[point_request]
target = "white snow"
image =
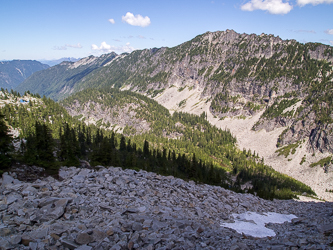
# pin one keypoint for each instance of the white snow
(253, 224)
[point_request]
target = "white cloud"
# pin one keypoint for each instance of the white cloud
(106, 48)
(330, 32)
(272, 6)
(103, 48)
(77, 46)
(331, 42)
(64, 47)
(112, 21)
(313, 2)
(136, 20)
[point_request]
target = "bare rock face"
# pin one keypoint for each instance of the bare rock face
(117, 117)
(322, 139)
(124, 209)
(270, 125)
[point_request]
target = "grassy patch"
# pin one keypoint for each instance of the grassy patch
(286, 149)
(182, 103)
(322, 162)
(181, 89)
(303, 160)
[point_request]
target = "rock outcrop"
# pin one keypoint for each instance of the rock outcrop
(111, 208)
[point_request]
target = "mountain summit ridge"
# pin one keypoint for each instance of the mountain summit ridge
(285, 84)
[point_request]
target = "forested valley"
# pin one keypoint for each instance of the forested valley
(49, 137)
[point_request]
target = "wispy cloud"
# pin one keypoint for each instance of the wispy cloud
(141, 37)
(106, 48)
(304, 31)
(64, 47)
(330, 32)
(326, 41)
(111, 20)
(272, 6)
(136, 20)
(313, 2)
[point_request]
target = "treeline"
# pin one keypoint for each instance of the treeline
(201, 152)
(76, 143)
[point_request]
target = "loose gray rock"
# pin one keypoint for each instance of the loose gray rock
(101, 209)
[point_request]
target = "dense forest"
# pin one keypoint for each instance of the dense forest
(49, 137)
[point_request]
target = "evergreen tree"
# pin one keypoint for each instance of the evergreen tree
(5, 144)
(146, 151)
(40, 147)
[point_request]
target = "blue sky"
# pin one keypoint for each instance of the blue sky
(52, 29)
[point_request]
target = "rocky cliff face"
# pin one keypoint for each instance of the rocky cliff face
(116, 118)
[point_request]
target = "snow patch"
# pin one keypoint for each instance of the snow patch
(253, 224)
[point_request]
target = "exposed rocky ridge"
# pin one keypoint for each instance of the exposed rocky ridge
(254, 68)
(12, 73)
(124, 209)
(116, 118)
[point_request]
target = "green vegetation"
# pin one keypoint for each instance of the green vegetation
(286, 149)
(278, 107)
(323, 162)
(182, 103)
(5, 144)
(202, 152)
(181, 89)
(253, 106)
(303, 160)
(223, 65)
(16, 71)
(223, 102)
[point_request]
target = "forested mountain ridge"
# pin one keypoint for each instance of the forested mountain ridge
(236, 73)
(282, 88)
(47, 136)
(12, 73)
(59, 80)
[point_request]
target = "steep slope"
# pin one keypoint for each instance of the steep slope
(241, 74)
(58, 81)
(121, 111)
(180, 133)
(49, 137)
(281, 87)
(12, 73)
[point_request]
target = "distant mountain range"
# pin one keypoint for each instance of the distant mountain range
(12, 73)
(57, 61)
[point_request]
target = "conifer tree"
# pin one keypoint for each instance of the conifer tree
(5, 144)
